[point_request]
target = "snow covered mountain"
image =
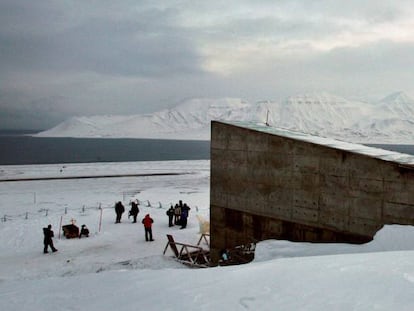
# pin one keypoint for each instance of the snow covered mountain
(390, 120)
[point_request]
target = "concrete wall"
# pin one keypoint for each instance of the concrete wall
(267, 186)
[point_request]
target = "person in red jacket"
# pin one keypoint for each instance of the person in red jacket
(148, 221)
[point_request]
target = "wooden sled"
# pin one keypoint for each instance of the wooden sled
(70, 231)
(204, 237)
(192, 255)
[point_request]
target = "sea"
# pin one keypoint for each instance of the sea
(20, 148)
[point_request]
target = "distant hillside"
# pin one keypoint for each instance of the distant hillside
(389, 120)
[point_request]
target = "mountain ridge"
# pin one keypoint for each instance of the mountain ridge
(386, 121)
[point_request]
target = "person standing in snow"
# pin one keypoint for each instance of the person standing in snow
(48, 241)
(177, 214)
(184, 215)
(119, 210)
(148, 221)
(170, 214)
(134, 211)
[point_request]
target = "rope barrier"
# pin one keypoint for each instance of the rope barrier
(82, 210)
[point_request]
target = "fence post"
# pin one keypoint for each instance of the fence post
(100, 218)
(27, 215)
(4, 218)
(47, 211)
(60, 226)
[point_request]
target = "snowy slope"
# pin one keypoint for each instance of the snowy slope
(321, 114)
(389, 120)
(115, 269)
(398, 105)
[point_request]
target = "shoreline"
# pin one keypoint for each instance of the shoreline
(90, 176)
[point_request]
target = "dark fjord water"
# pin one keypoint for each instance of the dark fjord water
(19, 149)
(35, 150)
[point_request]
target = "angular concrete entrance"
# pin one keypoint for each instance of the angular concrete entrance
(271, 183)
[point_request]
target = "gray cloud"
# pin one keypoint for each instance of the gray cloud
(146, 45)
(65, 58)
(30, 115)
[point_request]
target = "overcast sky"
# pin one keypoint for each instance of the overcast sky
(76, 57)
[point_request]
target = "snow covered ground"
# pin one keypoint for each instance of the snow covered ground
(115, 269)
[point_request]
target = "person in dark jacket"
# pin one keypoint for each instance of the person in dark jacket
(184, 215)
(48, 241)
(148, 221)
(119, 210)
(170, 214)
(134, 211)
(84, 231)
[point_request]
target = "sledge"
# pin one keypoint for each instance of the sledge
(70, 231)
(204, 237)
(191, 255)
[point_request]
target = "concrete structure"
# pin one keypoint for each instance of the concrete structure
(270, 183)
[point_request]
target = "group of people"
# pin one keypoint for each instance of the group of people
(178, 214)
(49, 234)
(147, 221)
(120, 209)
